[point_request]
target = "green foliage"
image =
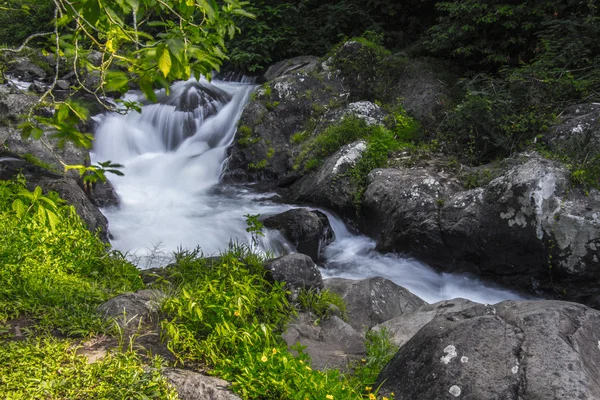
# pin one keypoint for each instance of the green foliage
(380, 351)
(227, 316)
(51, 369)
(255, 227)
(247, 137)
(31, 159)
(21, 18)
(96, 173)
(53, 267)
(258, 166)
(320, 303)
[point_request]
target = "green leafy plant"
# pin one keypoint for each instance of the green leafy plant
(322, 303)
(255, 227)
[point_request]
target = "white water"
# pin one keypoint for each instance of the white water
(170, 197)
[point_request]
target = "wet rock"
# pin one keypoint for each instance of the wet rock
(332, 344)
(130, 310)
(25, 70)
(194, 386)
(527, 228)
(104, 195)
(298, 271)
(403, 327)
(309, 231)
(578, 131)
(264, 148)
(524, 350)
(331, 186)
(296, 65)
(372, 301)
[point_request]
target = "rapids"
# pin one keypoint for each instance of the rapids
(174, 153)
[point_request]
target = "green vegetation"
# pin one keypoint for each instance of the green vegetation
(247, 137)
(52, 267)
(51, 369)
(322, 304)
(30, 158)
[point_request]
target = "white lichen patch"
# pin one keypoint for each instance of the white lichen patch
(350, 156)
(515, 369)
(578, 129)
(284, 89)
(450, 352)
(508, 214)
(598, 344)
(455, 391)
(464, 359)
(367, 111)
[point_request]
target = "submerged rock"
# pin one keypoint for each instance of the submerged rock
(372, 301)
(309, 231)
(513, 350)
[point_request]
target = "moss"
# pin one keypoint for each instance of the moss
(259, 166)
(300, 137)
(271, 105)
(247, 137)
(31, 159)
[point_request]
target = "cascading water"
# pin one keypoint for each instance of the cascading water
(174, 153)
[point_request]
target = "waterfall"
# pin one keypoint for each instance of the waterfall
(174, 153)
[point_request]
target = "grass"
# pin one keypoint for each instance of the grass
(222, 315)
(50, 368)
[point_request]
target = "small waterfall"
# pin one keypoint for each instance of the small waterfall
(174, 153)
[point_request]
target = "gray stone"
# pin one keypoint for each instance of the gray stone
(309, 231)
(194, 386)
(528, 228)
(296, 270)
(331, 186)
(403, 327)
(25, 70)
(130, 310)
(372, 301)
(332, 344)
(513, 350)
(296, 65)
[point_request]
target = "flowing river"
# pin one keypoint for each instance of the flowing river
(174, 153)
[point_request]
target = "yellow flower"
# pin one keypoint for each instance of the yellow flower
(368, 388)
(372, 396)
(236, 313)
(330, 397)
(385, 398)
(363, 360)
(264, 359)
(274, 350)
(310, 369)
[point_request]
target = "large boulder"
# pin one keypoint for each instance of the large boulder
(577, 132)
(513, 350)
(298, 271)
(25, 70)
(403, 327)
(194, 386)
(372, 301)
(527, 228)
(331, 185)
(265, 144)
(331, 344)
(309, 231)
(295, 65)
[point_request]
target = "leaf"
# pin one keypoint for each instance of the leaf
(53, 219)
(164, 62)
(37, 193)
(18, 207)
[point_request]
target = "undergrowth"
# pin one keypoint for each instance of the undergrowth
(50, 368)
(53, 268)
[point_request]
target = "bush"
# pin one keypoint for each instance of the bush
(24, 18)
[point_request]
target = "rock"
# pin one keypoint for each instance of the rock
(298, 271)
(105, 195)
(333, 344)
(71, 192)
(62, 85)
(264, 146)
(194, 386)
(401, 208)
(331, 186)
(579, 130)
(130, 310)
(25, 70)
(403, 327)
(527, 228)
(308, 230)
(296, 65)
(513, 350)
(372, 301)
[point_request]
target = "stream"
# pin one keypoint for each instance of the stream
(174, 153)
